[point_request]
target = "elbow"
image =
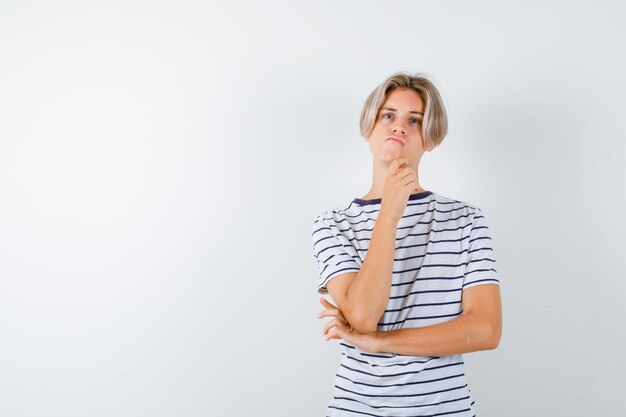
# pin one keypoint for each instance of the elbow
(486, 334)
(363, 325)
(495, 334)
(493, 343)
(360, 319)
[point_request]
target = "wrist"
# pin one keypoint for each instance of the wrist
(390, 220)
(379, 341)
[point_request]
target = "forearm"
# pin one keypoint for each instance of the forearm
(468, 333)
(369, 293)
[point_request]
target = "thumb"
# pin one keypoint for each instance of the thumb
(335, 333)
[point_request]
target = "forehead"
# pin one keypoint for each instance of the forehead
(404, 99)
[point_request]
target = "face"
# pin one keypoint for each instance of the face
(398, 128)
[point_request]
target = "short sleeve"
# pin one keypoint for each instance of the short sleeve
(334, 253)
(481, 263)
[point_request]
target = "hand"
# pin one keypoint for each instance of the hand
(339, 328)
(400, 182)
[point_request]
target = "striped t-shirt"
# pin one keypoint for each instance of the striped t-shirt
(442, 247)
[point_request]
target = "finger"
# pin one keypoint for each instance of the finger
(409, 179)
(337, 316)
(325, 302)
(334, 334)
(331, 312)
(400, 165)
(335, 323)
(393, 167)
(337, 334)
(328, 308)
(325, 313)
(402, 161)
(332, 309)
(330, 325)
(405, 172)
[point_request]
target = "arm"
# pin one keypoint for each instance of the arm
(478, 329)
(362, 297)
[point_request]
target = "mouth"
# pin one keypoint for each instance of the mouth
(400, 141)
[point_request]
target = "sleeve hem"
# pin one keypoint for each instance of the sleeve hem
(322, 289)
(481, 282)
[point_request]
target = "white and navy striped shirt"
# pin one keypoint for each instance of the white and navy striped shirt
(442, 247)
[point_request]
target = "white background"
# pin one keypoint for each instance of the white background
(161, 163)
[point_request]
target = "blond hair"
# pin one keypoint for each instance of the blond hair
(435, 124)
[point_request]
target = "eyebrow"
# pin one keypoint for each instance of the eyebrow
(392, 109)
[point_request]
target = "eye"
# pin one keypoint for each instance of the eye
(387, 114)
(415, 120)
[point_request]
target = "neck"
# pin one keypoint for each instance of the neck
(379, 171)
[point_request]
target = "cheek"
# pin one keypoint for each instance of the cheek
(380, 130)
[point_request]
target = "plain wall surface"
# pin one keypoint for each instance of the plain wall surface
(161, 164)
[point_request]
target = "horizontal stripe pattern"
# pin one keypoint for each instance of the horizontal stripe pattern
(443, 246)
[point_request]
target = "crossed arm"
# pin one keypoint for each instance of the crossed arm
(479, 328)
(362, 298)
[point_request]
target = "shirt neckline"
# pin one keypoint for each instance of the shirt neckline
(415, 196)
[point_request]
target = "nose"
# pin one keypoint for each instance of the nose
(399, 128)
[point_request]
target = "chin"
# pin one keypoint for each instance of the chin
(390, 157)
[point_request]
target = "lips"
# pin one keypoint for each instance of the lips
(400, 141)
